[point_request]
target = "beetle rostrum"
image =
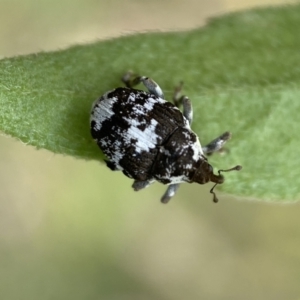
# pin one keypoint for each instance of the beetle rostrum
(149, 139)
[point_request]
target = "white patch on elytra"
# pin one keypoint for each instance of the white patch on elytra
(117, 154)
(145, 139)
(149, 104)
(197, 149)
(102, 110)
(135, 122)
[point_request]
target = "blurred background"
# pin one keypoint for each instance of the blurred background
(72, 229)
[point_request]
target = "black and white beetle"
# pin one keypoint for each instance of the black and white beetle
(149, 139)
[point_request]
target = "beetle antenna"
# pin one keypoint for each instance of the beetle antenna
(215, 198)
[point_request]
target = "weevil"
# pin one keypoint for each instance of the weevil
(149, 139)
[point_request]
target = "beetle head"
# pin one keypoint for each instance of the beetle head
(205, 174)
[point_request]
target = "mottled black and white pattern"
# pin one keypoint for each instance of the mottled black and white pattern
(149, 139)
(145, 136)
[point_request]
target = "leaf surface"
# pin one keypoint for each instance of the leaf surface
(241, 71)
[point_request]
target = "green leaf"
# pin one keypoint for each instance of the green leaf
(242, 73)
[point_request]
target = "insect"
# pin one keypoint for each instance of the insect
(149, 139)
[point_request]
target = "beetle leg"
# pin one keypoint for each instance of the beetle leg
(152, 87)
(130, 80)
(139, 185)
(187, 109)
(217, 144)
(170, 192)
(177, 94)
(184, 101)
